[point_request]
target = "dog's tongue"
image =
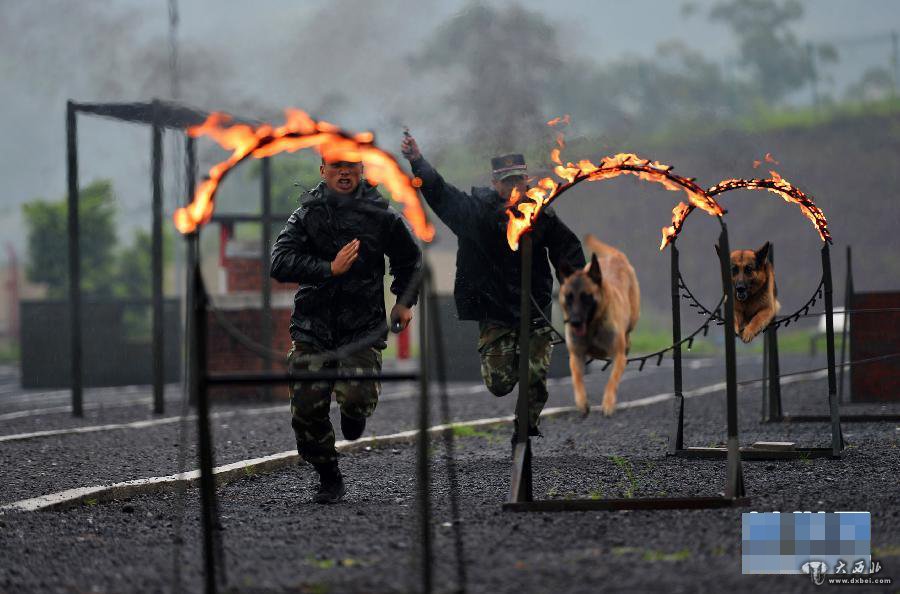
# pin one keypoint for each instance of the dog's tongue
(580, 330)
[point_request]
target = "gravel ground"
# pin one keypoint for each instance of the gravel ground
(276, 541)
(49, 464)
(34, 467)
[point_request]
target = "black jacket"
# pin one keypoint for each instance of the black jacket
(336, 311)
(488, 272)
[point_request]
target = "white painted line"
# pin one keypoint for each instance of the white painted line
(36, 412)
(140, 424)
(393, 396)
(229, 472)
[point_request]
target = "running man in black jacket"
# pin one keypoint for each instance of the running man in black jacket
(488, 272)
(334, 246)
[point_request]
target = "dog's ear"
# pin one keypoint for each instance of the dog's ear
(565, 269)
(594, 272)
(762, 254)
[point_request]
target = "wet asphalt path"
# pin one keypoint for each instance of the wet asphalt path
(277, 542)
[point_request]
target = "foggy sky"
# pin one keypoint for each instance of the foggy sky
(343, 60)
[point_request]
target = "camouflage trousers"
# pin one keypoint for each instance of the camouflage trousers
(499, 350)
(311, 401)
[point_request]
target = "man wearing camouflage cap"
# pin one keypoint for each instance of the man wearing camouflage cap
(487, 286)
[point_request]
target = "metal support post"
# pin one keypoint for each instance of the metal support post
(837, 438)
(521, 488)
(157, 266)
(422, 461)
(266, 248)
(848, 305)
(191, 266)
(734, 483)
(772, 385)
(74, 260)
(676, 440)
(209, 505)
(437, 347)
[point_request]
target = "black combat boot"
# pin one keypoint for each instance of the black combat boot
(352, 428)
(331, 483)
(532, 431)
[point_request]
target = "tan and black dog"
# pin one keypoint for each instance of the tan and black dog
(601, 305)
(755, 293)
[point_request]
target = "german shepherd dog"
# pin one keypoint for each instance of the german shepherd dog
(601, 305)
(755, 293)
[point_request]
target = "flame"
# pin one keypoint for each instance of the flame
(299, 131)
(780, 187)
(523, 215)
(679, 214)
(768, 159)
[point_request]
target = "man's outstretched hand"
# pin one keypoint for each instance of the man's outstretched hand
(410, 148)
(345, 258)
(401, 316)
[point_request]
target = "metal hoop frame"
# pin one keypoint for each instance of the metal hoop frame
(521, 493)
(771, 398)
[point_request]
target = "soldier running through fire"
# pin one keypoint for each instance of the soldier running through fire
(334, 246)
(487, 284)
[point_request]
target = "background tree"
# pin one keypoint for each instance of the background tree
(778, 63)
(48, 242)
(505, 59)
(134, 267)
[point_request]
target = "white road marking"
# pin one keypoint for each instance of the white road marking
(280, 408)
(229, 472)
(39, 412)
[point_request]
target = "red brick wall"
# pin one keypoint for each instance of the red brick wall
(226, 354)
(245, 274)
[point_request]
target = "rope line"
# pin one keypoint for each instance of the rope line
(658, 355)
(846, 364)
(777, 322)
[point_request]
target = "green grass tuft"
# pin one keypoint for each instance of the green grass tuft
(681, 555)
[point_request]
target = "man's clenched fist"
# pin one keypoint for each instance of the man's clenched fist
(401, 315)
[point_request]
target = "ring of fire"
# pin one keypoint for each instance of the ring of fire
(299, 131)
(776, 185)
(522, 213)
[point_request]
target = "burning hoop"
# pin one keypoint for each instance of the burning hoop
(522, 214)
(299, 131)
(776, 185)
(790, 193)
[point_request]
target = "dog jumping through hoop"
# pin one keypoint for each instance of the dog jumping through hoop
(601, 305)
(755, 292)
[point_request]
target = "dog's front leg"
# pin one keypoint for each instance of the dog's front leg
(576, 365)
(760, 322)
(612, 385)
(738, 327)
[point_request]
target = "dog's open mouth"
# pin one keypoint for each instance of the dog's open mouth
(579, 329)
(740, 295)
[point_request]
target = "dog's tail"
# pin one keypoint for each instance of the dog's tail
(600, 248)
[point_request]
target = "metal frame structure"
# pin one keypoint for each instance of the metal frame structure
(201, 380)
(772, 410)
(771, 387)
(160, 115)
(521, 498)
